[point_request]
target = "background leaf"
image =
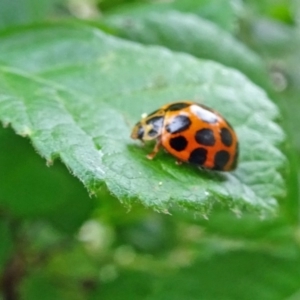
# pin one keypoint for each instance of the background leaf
(24, 11)
(68, 103)
(234, 277)
(65, 205)
(278, 44)
(223, 13)
(228, 275)
(189, 33)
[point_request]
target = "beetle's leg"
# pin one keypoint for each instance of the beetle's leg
(155, 150)
(178, 162)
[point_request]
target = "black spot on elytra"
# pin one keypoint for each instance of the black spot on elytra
(226, 137)
(205, 137)
(198, 156)
(221, 159)
(178, 143)
(177, 106)
(178, 124)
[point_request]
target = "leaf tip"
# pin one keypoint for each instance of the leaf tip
(166, 212)
(49, 163)
(5, 124)
(26, 131)
(237, 212)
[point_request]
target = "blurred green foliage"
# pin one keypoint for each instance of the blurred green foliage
(57, 242)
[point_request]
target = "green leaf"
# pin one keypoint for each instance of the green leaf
(273, 38)
(282, 10)
(67, 274)
(24, 11)
(222, 12)
(76, 93)
(279, 44)
(41, 286)
(191, 34)
(234, 275)
(29, 189)
(135, 285)
(153, 234)
(238, 275)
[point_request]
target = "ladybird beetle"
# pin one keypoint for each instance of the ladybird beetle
(192, 133)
